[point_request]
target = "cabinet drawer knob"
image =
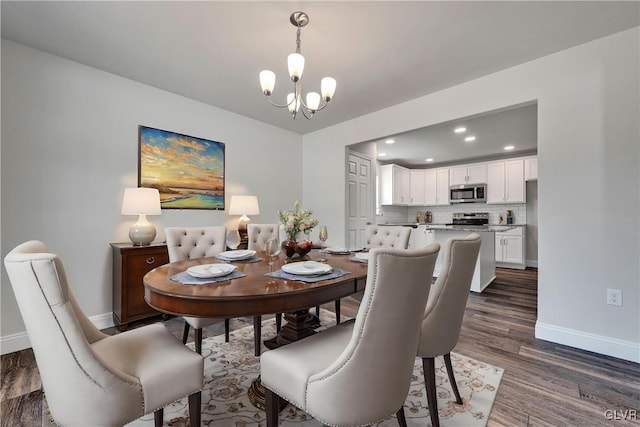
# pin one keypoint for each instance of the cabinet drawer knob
(151, 260)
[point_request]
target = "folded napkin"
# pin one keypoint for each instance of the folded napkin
(333, 274)
(187, 279)
(250, 259)
(356, 259)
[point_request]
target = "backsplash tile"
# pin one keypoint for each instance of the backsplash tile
(444, 214)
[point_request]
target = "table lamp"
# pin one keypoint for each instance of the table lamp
(142, 202)
(244, 205)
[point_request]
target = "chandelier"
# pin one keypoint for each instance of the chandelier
(295, 62)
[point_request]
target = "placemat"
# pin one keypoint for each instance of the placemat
(334, 274)
(187, 279)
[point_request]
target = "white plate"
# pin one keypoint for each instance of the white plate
(239, 254)
(307, 268)
(207, 271)
(362, 256)
(337, 250)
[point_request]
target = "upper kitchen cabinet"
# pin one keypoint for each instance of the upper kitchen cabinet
(436, 187)
(530, 168)
(395, 184)
(505, 182)
(416, 187)
(468, 174)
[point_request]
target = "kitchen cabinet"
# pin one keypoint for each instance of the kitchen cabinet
(505, 182)
(531, 169)
(412, 239)
(423, 237)
(395, 183)
(468, 174)
(130, 264)
(510, 248)
(416, 187)
(436, 187)
(484, 270)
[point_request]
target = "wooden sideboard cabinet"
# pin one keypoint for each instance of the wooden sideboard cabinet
(130, 264)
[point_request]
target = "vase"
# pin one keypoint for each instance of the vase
(291, 247)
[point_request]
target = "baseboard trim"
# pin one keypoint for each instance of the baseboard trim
(102, 321)
(614, 347)
(20, 341)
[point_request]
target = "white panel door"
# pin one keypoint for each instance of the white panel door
(360, 199)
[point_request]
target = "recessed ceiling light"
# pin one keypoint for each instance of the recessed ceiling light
(470, 138)
(428, 160)
(382, 154)
(509, 147)
(460, 129)
(389, 141)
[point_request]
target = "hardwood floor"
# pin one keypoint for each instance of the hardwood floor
(544, 384)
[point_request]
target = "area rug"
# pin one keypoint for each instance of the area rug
(231, 367)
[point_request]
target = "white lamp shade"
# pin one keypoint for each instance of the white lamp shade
(244, 205)
(313, 100)
(328, 88)
(295, 62)
(267, 81)
(141, 201)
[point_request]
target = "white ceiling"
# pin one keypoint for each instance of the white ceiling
(382, 53)
(516, 126)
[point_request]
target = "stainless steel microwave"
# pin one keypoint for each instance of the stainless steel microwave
(468, 193)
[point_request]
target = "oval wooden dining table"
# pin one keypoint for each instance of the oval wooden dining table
(254, 295)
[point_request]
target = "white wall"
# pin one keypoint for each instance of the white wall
(70, 147)
(531, 231)
(588, 143)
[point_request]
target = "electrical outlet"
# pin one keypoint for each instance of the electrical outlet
(614, 297)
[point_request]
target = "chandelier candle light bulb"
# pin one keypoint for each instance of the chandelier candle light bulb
(296, 66)
(295, 63)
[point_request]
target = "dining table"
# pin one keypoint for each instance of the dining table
(256, 293)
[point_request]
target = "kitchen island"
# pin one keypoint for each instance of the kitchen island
(485, 270)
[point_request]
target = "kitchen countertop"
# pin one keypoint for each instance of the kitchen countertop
(491, 227)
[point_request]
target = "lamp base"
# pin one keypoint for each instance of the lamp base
(142, 232)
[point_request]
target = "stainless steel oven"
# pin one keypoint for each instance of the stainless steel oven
(468, 193)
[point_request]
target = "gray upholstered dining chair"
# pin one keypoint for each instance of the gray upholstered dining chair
(347, 375)
(90, 378)
(196, 242)
(387, 236)
(382, 236)
(444, 312)
(257, 236)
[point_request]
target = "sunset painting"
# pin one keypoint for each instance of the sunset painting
(187, 171)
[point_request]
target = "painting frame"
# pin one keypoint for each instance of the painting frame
(188, 171)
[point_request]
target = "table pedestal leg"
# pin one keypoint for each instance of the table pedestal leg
(257, 395)
(295, 329)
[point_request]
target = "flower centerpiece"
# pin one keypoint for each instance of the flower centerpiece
(296, 222)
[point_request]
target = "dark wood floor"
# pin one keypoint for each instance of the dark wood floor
(544, 384)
